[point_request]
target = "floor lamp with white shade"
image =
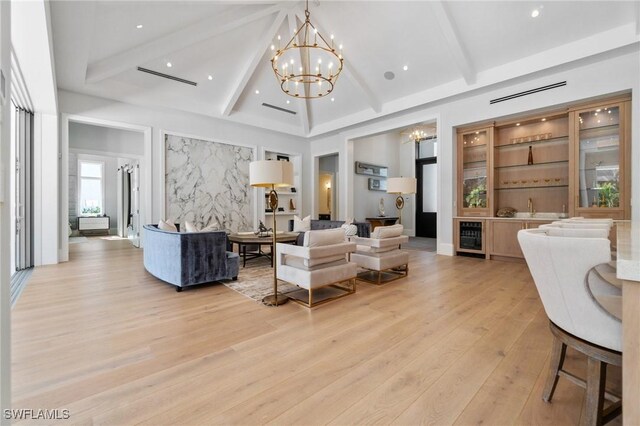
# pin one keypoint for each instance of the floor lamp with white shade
(401, 186)
(272, 174)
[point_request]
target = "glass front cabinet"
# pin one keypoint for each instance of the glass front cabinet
(473, 171)
(601, 157)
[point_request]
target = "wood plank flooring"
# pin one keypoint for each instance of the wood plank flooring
(460, 341)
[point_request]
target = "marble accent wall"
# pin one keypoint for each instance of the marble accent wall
(208, 182)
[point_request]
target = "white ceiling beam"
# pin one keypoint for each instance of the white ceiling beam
(638, 18)
(452, 38)
(178, 40)
(250, 68)
(352, 74)
(304, 108)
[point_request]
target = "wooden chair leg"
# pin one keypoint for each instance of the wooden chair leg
(557, 360)
(594, 398)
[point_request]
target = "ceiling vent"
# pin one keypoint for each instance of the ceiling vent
(170, 77)
(264, 104)
(528, 92)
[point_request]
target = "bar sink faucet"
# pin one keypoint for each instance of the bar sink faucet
(532, 211)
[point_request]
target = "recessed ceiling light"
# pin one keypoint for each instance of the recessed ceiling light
(389, 75)
(288, 101)
(139, 26)
(169, 64)
(333, 99)
(405, 67)
(210, 77)
(257, 92)
(535, 13)
(517, 124)
(544, 119)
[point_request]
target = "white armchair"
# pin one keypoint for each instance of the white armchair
(319, 267)
(381, 255)
(560, 266)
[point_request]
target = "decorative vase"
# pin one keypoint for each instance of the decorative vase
(381, 207)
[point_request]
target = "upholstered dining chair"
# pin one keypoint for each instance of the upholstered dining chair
(318, 266)
(560, 266)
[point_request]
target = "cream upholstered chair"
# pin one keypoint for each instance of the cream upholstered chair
(319, 267)
(381, 255)
(560, 266)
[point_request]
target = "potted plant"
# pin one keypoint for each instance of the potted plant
(475, 197)
(610, 194)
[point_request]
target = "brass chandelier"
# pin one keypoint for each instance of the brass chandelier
(308, 66)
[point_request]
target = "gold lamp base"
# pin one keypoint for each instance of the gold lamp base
(271, 300)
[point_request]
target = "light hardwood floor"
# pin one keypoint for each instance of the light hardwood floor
(460, 341)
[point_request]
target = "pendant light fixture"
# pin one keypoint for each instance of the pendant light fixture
(307, 66)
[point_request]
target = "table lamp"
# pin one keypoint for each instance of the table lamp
(272, 174)
(401, 186)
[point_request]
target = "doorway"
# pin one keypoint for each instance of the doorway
(427, 191)
(327, 189)
(103, 182)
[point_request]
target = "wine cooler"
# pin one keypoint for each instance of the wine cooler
(471, 235)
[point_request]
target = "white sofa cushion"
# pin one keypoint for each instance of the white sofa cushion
(387, 231)
(375, 250)
(381, 261)
(324, 237)
(301, 225)
(314, 264)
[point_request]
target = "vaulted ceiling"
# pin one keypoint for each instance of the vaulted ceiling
(447, 47)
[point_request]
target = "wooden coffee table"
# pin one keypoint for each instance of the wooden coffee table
(244, 240)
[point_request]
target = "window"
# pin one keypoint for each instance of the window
(90, 188)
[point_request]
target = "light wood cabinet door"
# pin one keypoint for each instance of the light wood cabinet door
(474, 177)
(504, 238)
(601, 160)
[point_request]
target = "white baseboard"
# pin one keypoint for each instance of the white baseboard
(445, 249)
(409, 232)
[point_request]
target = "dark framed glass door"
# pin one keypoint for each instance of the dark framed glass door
(426, 197)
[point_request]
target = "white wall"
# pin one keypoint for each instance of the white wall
(179, 122)
(98, 138)
(380, 150)
(46, 189)
(5, 207)
(584, 80)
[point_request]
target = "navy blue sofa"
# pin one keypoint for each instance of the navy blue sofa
(364, 228)
(190, 258)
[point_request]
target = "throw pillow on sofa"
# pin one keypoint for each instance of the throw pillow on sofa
(213, 226)
(191, 227)
(166, 225)
(349, 229)
(301, 225)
